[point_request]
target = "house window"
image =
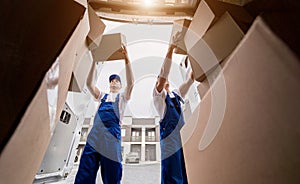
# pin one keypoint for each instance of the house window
(123, 132)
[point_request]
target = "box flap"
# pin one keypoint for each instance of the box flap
(96, 29)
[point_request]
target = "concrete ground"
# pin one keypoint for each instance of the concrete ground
(145, 172)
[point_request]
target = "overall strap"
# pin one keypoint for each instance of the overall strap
(178, 97)
(116, 104)
(104, 98)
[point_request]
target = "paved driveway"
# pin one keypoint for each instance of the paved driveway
(139, 174)
(144, 173)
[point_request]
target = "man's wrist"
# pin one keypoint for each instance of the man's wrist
(172, 46)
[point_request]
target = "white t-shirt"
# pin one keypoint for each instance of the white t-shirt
(159, 100)
(159, 97)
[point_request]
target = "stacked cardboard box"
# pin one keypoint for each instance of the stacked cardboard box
(208, 13)
(254, 139)
(214, 32)
(214, 46)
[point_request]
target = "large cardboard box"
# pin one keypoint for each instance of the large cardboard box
(109, 48)
(215, 45)
(24, 152)
(255, 138)
(30, 43)
(181, 26)
(208, 13)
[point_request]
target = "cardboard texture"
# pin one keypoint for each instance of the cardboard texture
(201, 21)
(30, 43)
(237, 2)
(96, 29)
(210, 78)
(109, 48)
(71, 55)
(216, 44)
(180, 25)
(22, 156)
(84, 3)
(80, 73)
(258, 138)
(86, 29)
(77, 82)
(208, 13)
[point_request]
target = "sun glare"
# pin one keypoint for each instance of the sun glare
(148, 2)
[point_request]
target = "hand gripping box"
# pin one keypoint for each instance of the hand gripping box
(110, 48)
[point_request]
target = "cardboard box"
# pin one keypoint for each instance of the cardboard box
(27, 56)
(25, 150)
(210, 79)
(208, 13)
(109, 48)
(237, 2)
(201, 21)
(180, 25)
(259, 120)
(80, 73)
(70, 61)
(92, 28)
(96, 29)
(216, 44)
(78, 65)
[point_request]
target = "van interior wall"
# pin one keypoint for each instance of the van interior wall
(282, 17)
(33, 33)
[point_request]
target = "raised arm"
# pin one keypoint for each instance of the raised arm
(90, 82)
(184, 88)
(165, 69)
(129, 74)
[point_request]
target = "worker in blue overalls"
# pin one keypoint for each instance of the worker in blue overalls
(103, 146)
(168, 106)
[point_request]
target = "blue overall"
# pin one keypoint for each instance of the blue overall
(103, 147)
(172, 164)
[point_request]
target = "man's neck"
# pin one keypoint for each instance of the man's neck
(113, 91)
